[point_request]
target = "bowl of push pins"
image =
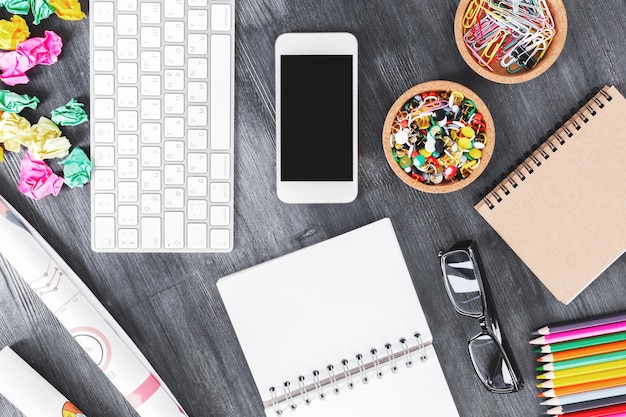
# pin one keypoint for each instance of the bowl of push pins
(438, 136)
(510, 41)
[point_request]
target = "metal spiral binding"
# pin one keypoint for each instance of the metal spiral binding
(359, 368)
(534, 160)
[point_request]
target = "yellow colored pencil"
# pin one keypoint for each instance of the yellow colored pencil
(583, 379)
(581, 370)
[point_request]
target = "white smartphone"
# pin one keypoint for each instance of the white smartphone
(316, 117)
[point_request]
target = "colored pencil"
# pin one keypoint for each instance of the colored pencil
(579, 324)
(586, 396)
(582, 370)
(588, 360)
(583, 352)
(580, 333)
(575, 344)
(577, 389)
(610, 410)
(588, 405)
(583, 379)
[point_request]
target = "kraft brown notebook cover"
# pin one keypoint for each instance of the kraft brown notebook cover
(563, 209)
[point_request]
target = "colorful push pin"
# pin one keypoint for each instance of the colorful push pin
(419, 160)
(401, 137)
(430, 145)
(439, 117)
(405, 162)
(468, 108)
(475, 153)
(450, 172)
(423, 122)
(478, 122)
(467, 132)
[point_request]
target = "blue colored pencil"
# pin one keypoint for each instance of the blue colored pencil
(586, 396)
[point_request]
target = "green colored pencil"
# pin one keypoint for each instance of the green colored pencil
(580, 343)
(588, 360)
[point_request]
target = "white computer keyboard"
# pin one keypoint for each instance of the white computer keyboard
(162, 106)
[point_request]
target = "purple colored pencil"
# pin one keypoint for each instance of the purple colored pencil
(580, 324)
(580, 333)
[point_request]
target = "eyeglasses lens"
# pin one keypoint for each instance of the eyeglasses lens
(489, 362)
(463, 286)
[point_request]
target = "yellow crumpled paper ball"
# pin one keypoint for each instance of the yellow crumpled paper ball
(13, 32)
(14, 131)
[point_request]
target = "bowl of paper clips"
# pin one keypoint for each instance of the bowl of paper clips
(510, 41)
(438, 136)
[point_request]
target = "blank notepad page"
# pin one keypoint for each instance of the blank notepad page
(333, 301)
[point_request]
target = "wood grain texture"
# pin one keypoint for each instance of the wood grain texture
(169, 304)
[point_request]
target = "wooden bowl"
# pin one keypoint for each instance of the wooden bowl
(500, 74)
(445, 186)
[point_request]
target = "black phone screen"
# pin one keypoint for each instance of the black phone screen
(316, 118)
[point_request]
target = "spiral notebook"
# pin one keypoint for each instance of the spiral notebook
(328, 331)
(563, 210)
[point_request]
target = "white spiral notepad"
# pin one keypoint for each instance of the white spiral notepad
(328, 330)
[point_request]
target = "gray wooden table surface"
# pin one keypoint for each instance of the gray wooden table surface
(168, 303)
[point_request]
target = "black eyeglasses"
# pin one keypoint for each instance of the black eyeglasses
(470, 296)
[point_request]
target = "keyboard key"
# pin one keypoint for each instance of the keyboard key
(104, 132)
(174, 32)
(174, 9)
(220, 215)
(197, 44)
(220, 17)
(174, 151)
(151, 85)
(219, 238)
(104, 84)
(151, 233)
(104, 108)
(197, 236)
(151, 204)
(103, 12)
(197, 187)
(126, 5)
(220, 192)
(127, 49)
(151, 13)
(197, 139)
(174, 198)
(151, 61)
(103, 36)
(104, 179)
(150, 37)
(198, 20)
(127, 97)
(151, 180)
(128, 216)
(127, 25)
(103, 61)
(197, 210)
(104, 232)
(174, 56)
(127, 145)
(174, 226)
(104, 203)
(104, 156)
(127, 192)
(220, 166)
(128, 239)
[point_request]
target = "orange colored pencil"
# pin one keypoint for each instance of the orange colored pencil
(582, 352)
(589, 386)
